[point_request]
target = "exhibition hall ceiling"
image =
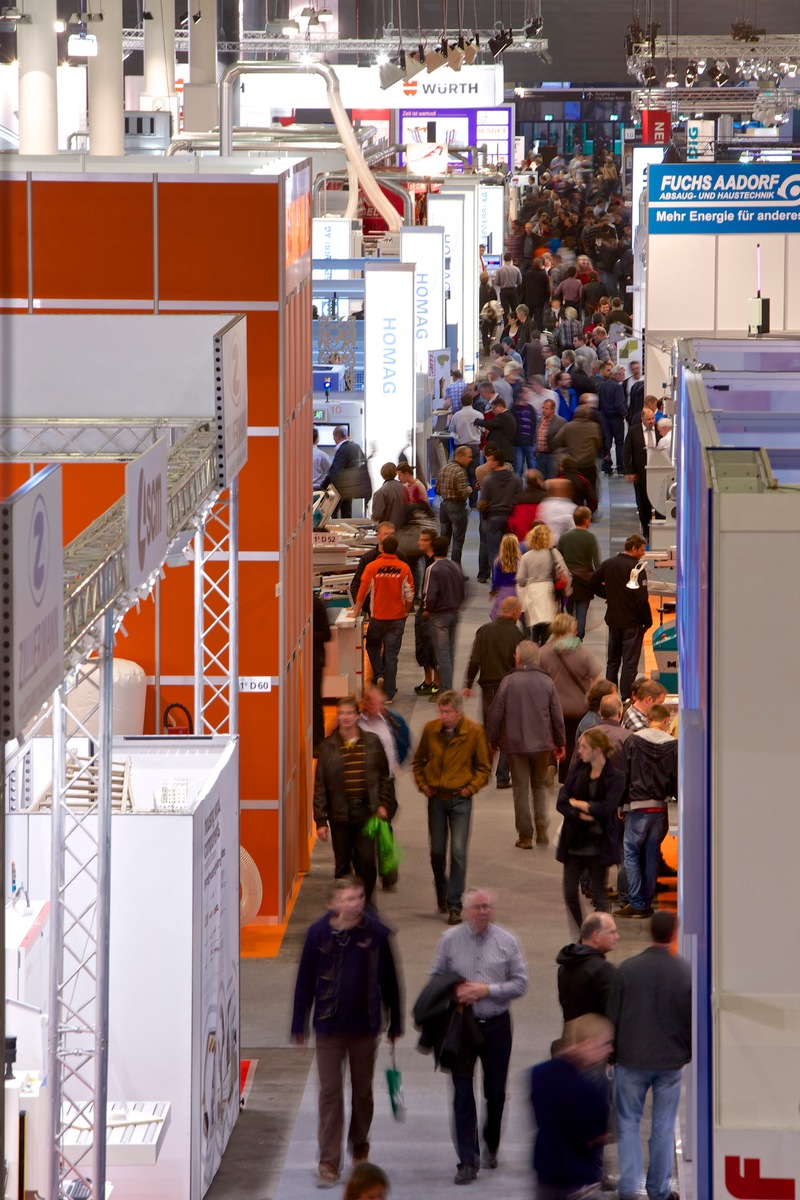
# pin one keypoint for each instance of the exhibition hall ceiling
(586, 38)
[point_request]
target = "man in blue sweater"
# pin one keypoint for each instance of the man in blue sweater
(347, 972)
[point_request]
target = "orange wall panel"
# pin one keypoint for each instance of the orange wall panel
(258, 728)
(259, 495)
(259, 618)
(263, 369)
(14, 224)
(114, 225)
(259, 834)
(217, 239)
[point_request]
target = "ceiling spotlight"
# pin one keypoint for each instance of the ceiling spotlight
(390, 74)
(671, 80)
(534, 28)
(691, 73)
(16, 15)
(471, 53)
(289, 27)
(146, 16)
(313, 21)
(414, 64)
(381, 59)
(791, 68)
(701, 66)
(60, 26)
(434, 59)
(723, 75)
(198, 16)
(500, 43)
(455, 57)
(713, 71)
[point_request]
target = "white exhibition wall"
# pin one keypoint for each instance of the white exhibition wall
(174, 950)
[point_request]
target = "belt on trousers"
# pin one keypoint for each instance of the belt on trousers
(450, 795)
(490, 1020)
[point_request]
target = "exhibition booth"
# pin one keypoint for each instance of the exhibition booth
(739, 534)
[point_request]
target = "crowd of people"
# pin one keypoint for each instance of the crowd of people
(550, 414)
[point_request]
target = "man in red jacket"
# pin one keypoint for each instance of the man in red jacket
(390, 586)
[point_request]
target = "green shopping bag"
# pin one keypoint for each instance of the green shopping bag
(394, 1082)
(389, 853)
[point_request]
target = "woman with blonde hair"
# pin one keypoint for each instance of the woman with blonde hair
(573, 669)
(504, 573)
(542, 579)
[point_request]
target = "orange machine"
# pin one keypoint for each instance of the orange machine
(165, 238)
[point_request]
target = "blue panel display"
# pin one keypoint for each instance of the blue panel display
(724, 198)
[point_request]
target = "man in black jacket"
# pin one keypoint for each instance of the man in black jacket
(502, 425)
(493, 656)
(352, 784)
(641, 437)
(611, 406)
(536, 290)
(585, 976)
(628, 612)
(651, 1009)
(499, 490)
(348, 455)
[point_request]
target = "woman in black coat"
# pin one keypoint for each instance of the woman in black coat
(589, 840)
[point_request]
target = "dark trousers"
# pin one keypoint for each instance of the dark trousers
(571, 727)
(643, 506)
(354, 853)
(573, 869)
(453, 521)
(494, 1056)
(317, 711)
(383, 642)
(423, 641)
(449, 814)
(344, 508)
(488, 693)
(624, 649)
(333, 1051)
(509, 298)
(613, 431)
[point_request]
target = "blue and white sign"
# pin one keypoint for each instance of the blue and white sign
(31, 600)
(388, 361)
(423, 245)
(724, 198)
(447, 210)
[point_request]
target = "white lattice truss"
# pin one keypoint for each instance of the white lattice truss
(216, 635)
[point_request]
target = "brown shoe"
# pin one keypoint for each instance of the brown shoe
(541, 834)
(328, 1176)
(524, 843)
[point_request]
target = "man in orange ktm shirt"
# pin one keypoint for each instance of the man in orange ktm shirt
(390, 586)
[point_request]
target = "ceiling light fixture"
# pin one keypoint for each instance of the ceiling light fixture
(82, 45)
(691, 73)
(434, 59)
(671, 80)
(500, 43)
(198, 16)
(414, 64)
(390, 73)
(325, 15)
(16, 15)
(60, 26)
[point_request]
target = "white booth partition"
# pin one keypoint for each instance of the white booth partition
(174, 963)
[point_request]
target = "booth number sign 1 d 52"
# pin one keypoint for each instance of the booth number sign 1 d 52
(255, 683)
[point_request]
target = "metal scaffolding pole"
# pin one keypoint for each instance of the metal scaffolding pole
(216, 655)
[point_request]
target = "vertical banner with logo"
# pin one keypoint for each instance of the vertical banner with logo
(423, 247)
(230, 399)
(656, 126)
(330, 238)
(700, 141)
(447, 211)
(388, 362)
(146, 508)
(31, 600)
(470, 283)
(491, 219)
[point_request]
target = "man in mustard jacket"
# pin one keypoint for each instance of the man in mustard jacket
(451, 764)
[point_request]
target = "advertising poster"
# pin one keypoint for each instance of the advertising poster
(219, 939)
(724, 198)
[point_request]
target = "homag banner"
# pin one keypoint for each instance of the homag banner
(724, 198)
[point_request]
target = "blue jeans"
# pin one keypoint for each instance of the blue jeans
(631, 1088)
(524, 459)
(644, 833)
(613, 432)
(443, 633)
(546, 464)
(579, 610)
(383, 642)
(451, 813)
(453, 521)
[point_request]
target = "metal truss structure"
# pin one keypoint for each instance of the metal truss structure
(96, 598)
(712, 100)
(216, 635)
(254, 41)
(769, 57)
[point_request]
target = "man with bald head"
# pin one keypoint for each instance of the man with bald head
(585, 977)
(490, 963)
(492, 657)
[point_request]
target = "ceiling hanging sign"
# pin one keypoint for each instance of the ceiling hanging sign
(724, 198)
(360, 87)
(230, 399)
(656, 126)
(146, 512)
(31, 599)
